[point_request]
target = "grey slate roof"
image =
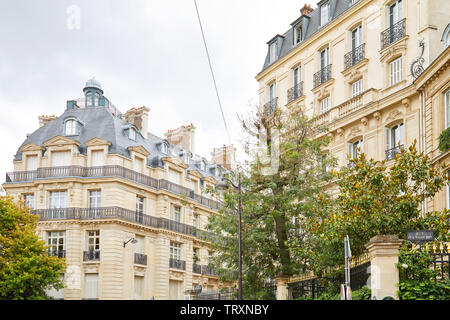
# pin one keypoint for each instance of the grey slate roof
(338, 7)
(100, 122)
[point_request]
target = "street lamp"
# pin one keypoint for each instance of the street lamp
(133, 241)
(223, 186)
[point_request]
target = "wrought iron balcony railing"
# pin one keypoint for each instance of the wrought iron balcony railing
(196, 268)
(177, 264)
(322, 76)
(295, 92)
(122, 214)
(270, 106)
(91, 255)
(393, 34)
(210, 271)
(140, 258)
(109, 171)
(57, 253)
(391, 153)
(354, 56)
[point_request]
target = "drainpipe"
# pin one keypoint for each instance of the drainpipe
(422, 140)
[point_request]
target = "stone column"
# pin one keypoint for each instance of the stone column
(282, 288)
(383, 252)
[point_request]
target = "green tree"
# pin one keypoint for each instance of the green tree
(271, 201)
(26, 270)
(372, 200)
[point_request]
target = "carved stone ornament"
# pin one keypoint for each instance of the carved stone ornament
(323, 93)
(340, 132)
(377, 115)
(393, 115)
(364, 121)
(354, 75)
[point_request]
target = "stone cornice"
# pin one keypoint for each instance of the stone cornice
(140, 150)
(97, 142)
(31, 147)
(61, 141)
(176, 162)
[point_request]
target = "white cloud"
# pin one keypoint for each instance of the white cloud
(144, 53)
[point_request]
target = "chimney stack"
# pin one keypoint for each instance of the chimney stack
(225, 156)
(183, 136)
(138, 117)
(306, 10)
(43, 120)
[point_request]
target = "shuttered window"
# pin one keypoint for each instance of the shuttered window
(357, 88)
(97, 158)
(138, 164)
(61, 159)
(395, 71)
(325, 104)
(175, 290)
(32, 163)
(91, 286)
(174, 176)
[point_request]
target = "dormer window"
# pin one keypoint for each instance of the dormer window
(273, 51)
(298, 37)
(132, 134)
(71, 127)
(203, 165)
(324, 13)
(165, 148)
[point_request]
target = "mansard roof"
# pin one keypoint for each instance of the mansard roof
(102, 123)
(313, 26)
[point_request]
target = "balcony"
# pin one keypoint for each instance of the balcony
(270, 107)
(393, 34)
(295, 92)
(140, 258)
(57, 253)
(109, 171)
(91, 255)
(124, 215)
(391, 153)
(177, 264)
(196, 268)
(347, 108)
(209, 271)
(322, 76)
(354, 56)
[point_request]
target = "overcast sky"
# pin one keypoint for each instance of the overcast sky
(144, 53)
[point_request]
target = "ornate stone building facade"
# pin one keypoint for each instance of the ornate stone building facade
(125, 208)
(352, 65)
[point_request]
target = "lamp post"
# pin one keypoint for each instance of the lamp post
(223, 186)
(133, 241)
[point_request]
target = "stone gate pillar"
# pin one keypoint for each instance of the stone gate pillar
(384, 276)
(282, 288)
